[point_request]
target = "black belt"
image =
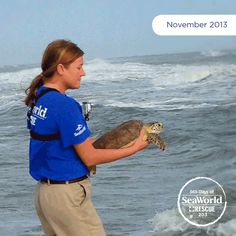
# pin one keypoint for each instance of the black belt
(49, 181)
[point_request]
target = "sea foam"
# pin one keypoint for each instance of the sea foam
(171, 221)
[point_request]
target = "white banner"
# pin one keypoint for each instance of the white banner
(195, 25)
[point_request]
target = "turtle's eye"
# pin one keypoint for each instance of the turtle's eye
(154, 128)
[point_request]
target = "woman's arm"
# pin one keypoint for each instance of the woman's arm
(92, 156)
(91, 140)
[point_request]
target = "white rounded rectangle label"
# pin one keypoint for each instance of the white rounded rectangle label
(195, 25)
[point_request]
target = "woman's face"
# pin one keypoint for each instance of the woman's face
(73, 74)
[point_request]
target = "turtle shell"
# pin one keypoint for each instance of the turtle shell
(120, 136)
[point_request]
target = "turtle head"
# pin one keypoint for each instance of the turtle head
(154, 127)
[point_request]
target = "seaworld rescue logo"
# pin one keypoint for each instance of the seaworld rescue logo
(202, 201)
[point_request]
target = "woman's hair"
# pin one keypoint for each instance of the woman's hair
(57, 52)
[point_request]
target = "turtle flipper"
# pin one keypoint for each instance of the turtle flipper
(155, 138)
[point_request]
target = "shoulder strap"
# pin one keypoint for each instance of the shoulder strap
(37, 136)
(43, 93)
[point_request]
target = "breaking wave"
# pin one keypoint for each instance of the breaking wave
(170, 221)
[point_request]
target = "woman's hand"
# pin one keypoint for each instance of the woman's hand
(140, 143)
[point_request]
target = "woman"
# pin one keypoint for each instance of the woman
(60, 147)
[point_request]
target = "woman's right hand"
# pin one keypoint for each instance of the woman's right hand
(140, 143)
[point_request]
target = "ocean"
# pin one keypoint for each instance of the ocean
(193, 94)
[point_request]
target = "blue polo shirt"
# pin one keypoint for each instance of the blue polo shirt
(53, 113)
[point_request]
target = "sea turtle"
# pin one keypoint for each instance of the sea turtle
(126, 134)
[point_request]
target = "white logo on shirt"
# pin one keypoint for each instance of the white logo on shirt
(38, 112)
(79, 130)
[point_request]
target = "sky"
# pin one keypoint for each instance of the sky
(102, 28)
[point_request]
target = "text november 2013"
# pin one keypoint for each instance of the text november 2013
(211, 24)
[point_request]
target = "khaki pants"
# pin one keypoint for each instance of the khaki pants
(67, 209)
